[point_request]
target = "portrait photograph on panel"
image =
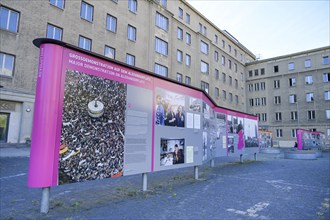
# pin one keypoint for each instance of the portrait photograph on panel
(172, 151)
(93, 128)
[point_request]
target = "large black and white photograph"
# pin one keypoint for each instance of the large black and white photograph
(171, 151)
(93, 128)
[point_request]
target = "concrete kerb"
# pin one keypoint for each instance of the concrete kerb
(14, 150)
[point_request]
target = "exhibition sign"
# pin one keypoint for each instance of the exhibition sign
(307, 140)
(97, 118)
(265, 139)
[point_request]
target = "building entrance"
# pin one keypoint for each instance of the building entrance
(4, 122)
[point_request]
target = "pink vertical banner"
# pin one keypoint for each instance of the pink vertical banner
(44, 155)
(300, 139)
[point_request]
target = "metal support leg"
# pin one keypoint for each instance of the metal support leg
(44, 208)
(255, 156)
(212, 163)
(144, 182)
(241, 158)
(196, 172)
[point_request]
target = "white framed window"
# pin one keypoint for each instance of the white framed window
(224, 95)
(251, 102)
(188, 38)
(256, 72)
(292, 81)
(263, 100)
(327, 113)
(277, 100)
(180, 33)
(161, 21)
(278, 116)
(187, 80)
(276, 84)
(216, 92)
(229, 48)
(179, 77)
(263, 116)
(326, 77)
(204, 67)
(188, 60)
(161, 70)
(85, 43)
(230, 80)
(293, 133)
(7, 63)
(230, 97)
(256, 87)
(216, 38)
(327, 95)
(161, 46)
(130, 59)
(216, 74)
(309, 97)
(311, 114)
(262, 85)
(325, 60)
(205, 86)
(262, 71)
(223, 60)
(132, 5)
(250, 87)
(308, 63)
(236, 99)
(163, 3)
(308, 80)
(110, 52)
(229, 64)
(180, 13)
(224, 77)
(179, 56)
(294, 115)
(216, 56)
(86, 11)
(57, 3)
(187, 18)
(293, 98)
(276, 69)
(235, 52)
(257, 101)
(204, 47)
(235, 67)
(9, 19)
(279, 133)
(131, 33)
(205, 30)
(54, 32)
(291, 66)
(200, 28)
(236, 84)
(111, 23)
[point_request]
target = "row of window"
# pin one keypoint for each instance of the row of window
(257, 86)
(293, 133)
(232, 98)
(256, 72)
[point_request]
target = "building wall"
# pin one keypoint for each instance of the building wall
(317, 87)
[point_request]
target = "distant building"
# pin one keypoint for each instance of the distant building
(169, 38)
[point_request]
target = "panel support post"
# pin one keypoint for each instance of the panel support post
(144, 182)
(196, 172)
(44, 207)
(241, 158)
(212, 163)
(255, 156)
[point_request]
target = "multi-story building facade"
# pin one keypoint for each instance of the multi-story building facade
(290, 92)
(169, 38)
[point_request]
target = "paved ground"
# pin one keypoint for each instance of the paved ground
(269, 188)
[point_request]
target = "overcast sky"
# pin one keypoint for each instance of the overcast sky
(271, 28)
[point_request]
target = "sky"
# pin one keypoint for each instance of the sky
(271, 28)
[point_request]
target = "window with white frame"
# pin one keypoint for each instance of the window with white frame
(223, 60)
(236, 99)
(309, 80)
(204, 67)
(7, 62)
(236, 84)
(180, 33)
(180, 13)
(258, 115)
(161, 46)
(327, 95)
(235, 67)
(250, 73)
(229, 48)
(311, 114)
(256, 87)
(163, 3)
(308, 63)
(216, 92)
(250, 87)
(200, 27)
(293, 98)
(188, 38)
(161, 21)
(293, 133)
(54, 32)
(326, 77)
(262, 71)
(57, 3)
(251, 102)
(278, 116)
(276, 84)
(86, 11)
(223, 44)
(187, 80)
(216, 38)
(325, 59)
(224, 77)
(216, 56)
(187, 18)
(111, 23)
(131, 33)
(256, 72)
(205, 30)
(230, 97)
(9, 19)
(279, 133)
(161, 70)
(130, 59)
(309, 97)
(257, 101)
(263, 116)
(224, 95)
(291, 66)
(229, 64)
(216, 74)
(277, 100)
(204, 47)
(263, 100)
(235, 52)
(327, 113)
(230, 80)
(292, 81)
(110, 52)
(179, 56)
(205, 86)
(188, 60)
(262, 85)
(179, 77)
(294, 115)
(85, 43)
(276, 69)
(132, 5)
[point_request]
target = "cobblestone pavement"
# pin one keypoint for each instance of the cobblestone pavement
(269, 188)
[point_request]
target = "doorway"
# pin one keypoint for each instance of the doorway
(4, 122)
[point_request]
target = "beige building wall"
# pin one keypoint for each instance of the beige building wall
(301, 81)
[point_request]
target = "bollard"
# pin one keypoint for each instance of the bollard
(144, 182)
(196, 172)
(44, 208)
(212, 163)
(241, 158)
(255, 156)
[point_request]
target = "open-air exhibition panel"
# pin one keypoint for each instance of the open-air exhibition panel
(307, 140)
(97, 118)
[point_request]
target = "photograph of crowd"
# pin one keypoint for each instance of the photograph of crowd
(93, 128)
(251, 133)
(265, 139)
(194, 104)
(171, 151)
(170, 109)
